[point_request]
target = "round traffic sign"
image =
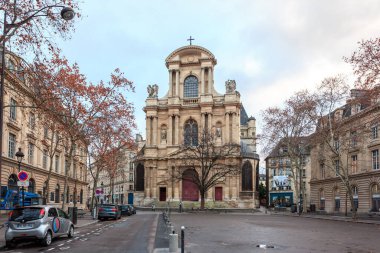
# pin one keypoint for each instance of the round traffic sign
(23, 176)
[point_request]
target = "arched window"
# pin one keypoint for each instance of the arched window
(355, 194)
(57, 189)
(190, 89)
(246, 177)
(32, 185)
(375, 193)
(12, 182)
(337, 199)
(191, 133)
(140, 177)
(321, 199)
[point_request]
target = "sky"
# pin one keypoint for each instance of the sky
(272, 49)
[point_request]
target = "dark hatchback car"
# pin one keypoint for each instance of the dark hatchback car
(109, 211)
(126, 210)
(133, 209)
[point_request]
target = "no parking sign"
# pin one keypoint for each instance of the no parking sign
(23, 176)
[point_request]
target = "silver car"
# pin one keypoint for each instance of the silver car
(37, 222)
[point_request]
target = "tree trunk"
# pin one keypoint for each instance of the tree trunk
(202, 200)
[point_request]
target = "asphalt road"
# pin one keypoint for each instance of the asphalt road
(225, 233)
(133, 234)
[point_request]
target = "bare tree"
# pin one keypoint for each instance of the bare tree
(288, 126)
(208, 162)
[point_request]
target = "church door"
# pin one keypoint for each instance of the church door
(218, 193)
(162, 193)
(190, 190)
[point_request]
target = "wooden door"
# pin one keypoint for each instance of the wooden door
(218, 193)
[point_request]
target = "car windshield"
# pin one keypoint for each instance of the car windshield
(27, 214)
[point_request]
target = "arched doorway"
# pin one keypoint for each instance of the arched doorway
(12, 182)
(57, 193)
(32, 185)
(190, 191)
(375, 194)
(246, 177)
(140, 177)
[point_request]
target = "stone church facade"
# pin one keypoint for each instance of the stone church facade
(192, 104)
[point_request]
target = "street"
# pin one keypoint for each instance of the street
(213, 232)
(129, 234)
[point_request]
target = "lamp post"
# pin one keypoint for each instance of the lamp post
(20, 156)
(102, 199)
(67, 14)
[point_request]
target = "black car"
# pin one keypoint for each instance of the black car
(126, 210)
(107, 211)
(133, 209)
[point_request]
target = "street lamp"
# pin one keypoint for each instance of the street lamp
(67, 13)
(20, 156)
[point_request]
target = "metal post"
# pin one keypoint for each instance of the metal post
(23, 196)
(2, 93)
(183, 239)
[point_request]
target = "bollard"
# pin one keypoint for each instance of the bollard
(173, 243)
(183, 239)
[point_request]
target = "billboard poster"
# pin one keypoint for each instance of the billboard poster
(280, 181)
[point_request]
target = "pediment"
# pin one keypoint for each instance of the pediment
(190, 54)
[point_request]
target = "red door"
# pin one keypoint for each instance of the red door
(218, 193)
(189, 191)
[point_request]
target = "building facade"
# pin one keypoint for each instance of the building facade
(281, 178)
(24, 129)
(360, 159)
(193, 103)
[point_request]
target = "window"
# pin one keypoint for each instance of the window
(52, 212)
(273, 172)
(52, 196)
(191, 87)
(354, 139)
(12, 109)
(356, 198)
(57, 163)
(374, 132)
(375, 193)
(30, 153)
(375, 159)
(131, 177)
(31, 187)
(336, 144)
(321, 200)
(32, 121)
(44, 158)
(11, 145)
(354, 164)
(322, 171)
(46, 132)
(337, 165)
(57, 188)
(191, 133)
(131, 187)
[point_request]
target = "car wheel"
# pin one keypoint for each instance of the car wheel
(71, 232)
(47, 239)
(9, 244)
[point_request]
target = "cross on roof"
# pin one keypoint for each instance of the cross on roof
(190, 39)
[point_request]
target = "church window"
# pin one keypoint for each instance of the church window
(246, 184)
(191, 87)
(191, 133)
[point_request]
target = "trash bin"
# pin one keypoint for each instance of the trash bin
(312, 207)
(73, 214)
(293, 208)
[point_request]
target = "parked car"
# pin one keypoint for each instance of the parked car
(133, 209)
(107, 211)
(126, 210)
(37, 223)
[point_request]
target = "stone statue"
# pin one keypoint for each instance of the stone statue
(152, 90)
(163, 134)
(230, 86)
(218, 132)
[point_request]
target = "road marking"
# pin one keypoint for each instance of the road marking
(84, 239)
(88, 233)
(63, 248)
(50, 249)
(69, 241)
(61, 244)
(76, 238)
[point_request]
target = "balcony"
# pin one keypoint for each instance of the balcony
(190, 101)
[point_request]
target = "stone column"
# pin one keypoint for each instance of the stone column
(147, 179)
(227, 130)
(155, 128)
(147, 122)
(209, 122)
(170, 83)
(154, 182)
(177, 82)
(209, 196)
(176, 137)
(226, 189)
(203, 80)
(176, 191)
(169, 132)
(234, 187)
(209, 80)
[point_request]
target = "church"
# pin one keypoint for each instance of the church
(190, 105)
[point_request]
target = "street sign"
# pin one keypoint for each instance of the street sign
(23, 183)
(23, 176)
